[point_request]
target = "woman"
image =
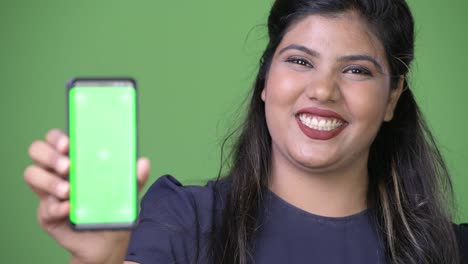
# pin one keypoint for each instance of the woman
(333, 162)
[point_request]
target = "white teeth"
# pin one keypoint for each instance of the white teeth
(329, 122)
(314, 122)
(322, 125)
(326, 124)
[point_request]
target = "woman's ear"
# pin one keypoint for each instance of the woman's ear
(263, 95)
(393, 99)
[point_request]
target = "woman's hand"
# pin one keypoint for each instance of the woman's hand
(47, 178)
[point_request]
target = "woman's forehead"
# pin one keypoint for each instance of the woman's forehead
(341, 34)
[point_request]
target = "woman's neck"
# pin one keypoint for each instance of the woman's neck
(332, 194)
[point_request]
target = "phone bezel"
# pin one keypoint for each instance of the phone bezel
(69, 86)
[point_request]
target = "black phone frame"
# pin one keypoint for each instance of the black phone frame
(105, 226)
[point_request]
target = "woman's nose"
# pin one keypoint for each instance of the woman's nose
(323, 88)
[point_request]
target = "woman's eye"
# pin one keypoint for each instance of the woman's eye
(299, 61)
(358, 70)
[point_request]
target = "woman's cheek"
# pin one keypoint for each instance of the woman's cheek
(286, 89)
(367, 105)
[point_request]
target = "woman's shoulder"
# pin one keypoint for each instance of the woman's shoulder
(167, 200)
(174, 220)
(169, 189)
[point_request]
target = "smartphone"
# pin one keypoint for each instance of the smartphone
(102, 127)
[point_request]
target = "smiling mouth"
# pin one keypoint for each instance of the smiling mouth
(319, 122)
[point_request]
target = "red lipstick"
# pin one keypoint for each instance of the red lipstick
(320, 134)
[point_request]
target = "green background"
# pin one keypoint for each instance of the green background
(195, 61)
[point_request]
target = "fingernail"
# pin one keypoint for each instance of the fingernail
(63, 165)
(62, 189)
(62, 143)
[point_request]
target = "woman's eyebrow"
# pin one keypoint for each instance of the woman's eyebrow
(358, 57)
(302, 48)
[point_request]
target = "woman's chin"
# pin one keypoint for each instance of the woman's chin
(316, 163)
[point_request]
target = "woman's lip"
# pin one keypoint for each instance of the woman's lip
(320, 112)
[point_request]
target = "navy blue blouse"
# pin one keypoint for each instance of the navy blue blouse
(175, 222)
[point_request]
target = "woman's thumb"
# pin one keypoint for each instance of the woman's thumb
(143, 168)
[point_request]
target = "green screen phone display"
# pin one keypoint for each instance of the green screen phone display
(102, 126)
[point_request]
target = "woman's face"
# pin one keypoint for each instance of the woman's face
(327, 93)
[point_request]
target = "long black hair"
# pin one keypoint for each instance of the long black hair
(409, 184)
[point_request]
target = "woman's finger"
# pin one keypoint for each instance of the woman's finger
(46, 156)
(58, 139)
(143, 168)
(44, 182)
(52, 210)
